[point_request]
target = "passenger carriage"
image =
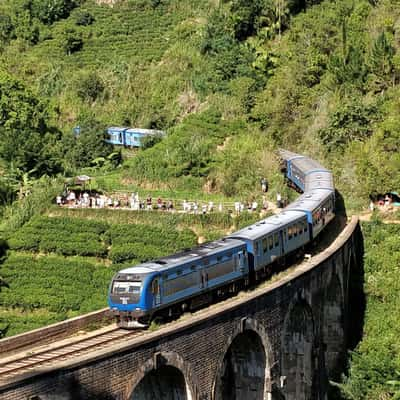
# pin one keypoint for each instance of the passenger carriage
(319, 207)
(116, 135)
(130, 137)
(270, 239)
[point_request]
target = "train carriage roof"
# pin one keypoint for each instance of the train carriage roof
(116, 128)
(185, 257)
(288, 155)
(319, 180)
(310, 201)
(268, 225)
(307, 165)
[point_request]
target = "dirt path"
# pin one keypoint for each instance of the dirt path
(366, 216)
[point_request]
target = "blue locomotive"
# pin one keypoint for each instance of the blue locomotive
(130, 137)
(199, 276)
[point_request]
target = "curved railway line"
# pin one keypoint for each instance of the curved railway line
(33, 360)
(47, 355)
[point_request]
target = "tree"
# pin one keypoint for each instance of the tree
(6, 28)
(49, 11)
(90, 87)
(245, 17)
(25, 140)
(71, 41)
(350, 122)
(84, 18)
(381, 60)
(88, 145)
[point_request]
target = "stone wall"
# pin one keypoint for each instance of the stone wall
(283, 340)
(58, 330)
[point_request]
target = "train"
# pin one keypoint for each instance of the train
(187, 280)
(130, 137)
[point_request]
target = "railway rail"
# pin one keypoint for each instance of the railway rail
(45, 356)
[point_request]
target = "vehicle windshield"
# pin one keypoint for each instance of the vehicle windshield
(126, 287)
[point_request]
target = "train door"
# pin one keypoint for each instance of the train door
(240, 261)
(155, 288)
(282, 239)
(203, 278)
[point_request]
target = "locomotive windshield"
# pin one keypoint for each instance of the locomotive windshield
(124, 287)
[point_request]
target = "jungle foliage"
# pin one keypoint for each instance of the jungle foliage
(374, 369)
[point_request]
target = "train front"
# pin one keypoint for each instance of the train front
(127, 297)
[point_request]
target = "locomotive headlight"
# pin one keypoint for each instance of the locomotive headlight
(137, 309)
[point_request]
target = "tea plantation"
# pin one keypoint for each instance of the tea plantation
(60, 266)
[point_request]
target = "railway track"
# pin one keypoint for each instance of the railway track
(61, 351)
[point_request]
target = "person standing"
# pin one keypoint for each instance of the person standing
(278, 200)
(264, 185)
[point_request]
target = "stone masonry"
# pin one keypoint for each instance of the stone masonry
(284, 340)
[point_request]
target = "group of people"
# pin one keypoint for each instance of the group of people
(134, 202)
(71, 198)
(382, 202)
(85, 199)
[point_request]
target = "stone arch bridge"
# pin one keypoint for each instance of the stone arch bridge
(284, 340)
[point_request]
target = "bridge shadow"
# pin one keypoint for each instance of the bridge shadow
(72, 389)
(355, 313)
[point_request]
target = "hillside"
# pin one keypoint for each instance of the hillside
(230, 82)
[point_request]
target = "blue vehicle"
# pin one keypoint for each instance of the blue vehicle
(182, 281)
(130, 137)
(199, 276)
(272, 238)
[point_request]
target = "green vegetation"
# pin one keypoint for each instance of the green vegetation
(229, 82)
(375, 365)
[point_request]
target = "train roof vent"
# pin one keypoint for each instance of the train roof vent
(161, 262)
(308, 196)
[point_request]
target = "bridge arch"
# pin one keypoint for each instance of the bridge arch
(244, 369)
(165, 376)
(297, 362)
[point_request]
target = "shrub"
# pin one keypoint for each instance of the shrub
(90, 87)
(84, 18)
(49, 11)
(71, 41)
(139, 251)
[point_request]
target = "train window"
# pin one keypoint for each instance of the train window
(256, 247)
(126, 287)
(219, 259)
(206, 261)
(179, 272)
(295, 228)
(193, 267)
(271, 242)
(229, 254)
(290, 232)
(305, 226)
(300, 225)
(276, 239)
(155, 287)
(265, 245)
